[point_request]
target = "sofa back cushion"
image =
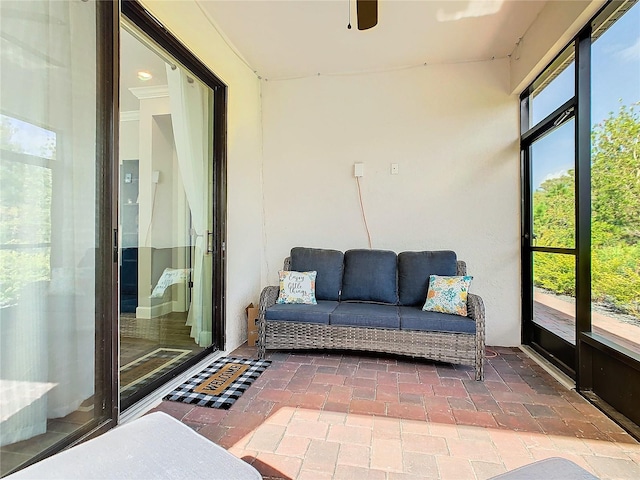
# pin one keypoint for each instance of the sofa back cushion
(328, 264)
(370, 276)
(414, 269)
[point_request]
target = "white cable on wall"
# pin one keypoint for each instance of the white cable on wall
(364, 215)
(369, 71)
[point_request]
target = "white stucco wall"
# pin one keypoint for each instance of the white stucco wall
(244, 195)
(452, 129)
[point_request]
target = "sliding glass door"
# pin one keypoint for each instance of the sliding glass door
(165, 216)
(55, 226)
(111, 262)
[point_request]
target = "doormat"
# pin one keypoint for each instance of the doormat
(149, 367)
(220, 384)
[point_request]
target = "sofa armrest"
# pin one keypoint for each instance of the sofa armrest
(475, 310)
(268, 298)
(461, 268)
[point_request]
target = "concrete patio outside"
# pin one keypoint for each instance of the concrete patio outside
(558, 316)
(348, 416)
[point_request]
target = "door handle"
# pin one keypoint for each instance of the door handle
(115, 245)
(209, 236)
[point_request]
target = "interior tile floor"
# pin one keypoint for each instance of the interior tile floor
(151, 347)
(138, 336)
(349, 416)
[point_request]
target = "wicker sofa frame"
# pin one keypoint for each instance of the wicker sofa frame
(456, 348)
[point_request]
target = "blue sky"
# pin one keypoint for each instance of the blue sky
(615, 81)
(29, 138)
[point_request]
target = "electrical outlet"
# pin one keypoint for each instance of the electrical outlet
(394, 169)
(358, 169)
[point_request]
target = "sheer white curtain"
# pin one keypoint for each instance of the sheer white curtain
(190, 119)
(47, 325)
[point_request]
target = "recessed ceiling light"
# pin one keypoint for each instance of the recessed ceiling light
(144, 75)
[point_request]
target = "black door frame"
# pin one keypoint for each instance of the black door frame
(151, 26)
(559, 351)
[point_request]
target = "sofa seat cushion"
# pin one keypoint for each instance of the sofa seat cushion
(292, 312)
(413, 318)
(365, 315)
(414, 269)
(370, 276)
(328, 264)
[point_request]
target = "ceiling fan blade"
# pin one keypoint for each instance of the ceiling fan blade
(367, 11)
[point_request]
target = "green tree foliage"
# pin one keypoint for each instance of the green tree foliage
(615, 193)
(615, 186)
(615, 182)
(554, 212)
(555, 272)
(25, 215)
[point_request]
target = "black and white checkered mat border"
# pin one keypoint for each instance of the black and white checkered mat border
(185, 393)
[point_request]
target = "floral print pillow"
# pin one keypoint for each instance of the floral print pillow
(297, 287)
(448, 294)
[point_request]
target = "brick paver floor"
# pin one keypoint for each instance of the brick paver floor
(350, 416)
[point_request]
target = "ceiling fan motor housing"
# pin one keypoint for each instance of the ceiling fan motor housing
(367, 12)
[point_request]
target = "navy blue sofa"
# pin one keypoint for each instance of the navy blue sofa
(372, 300)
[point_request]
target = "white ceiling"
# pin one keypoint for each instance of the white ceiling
(134, 57)
(295, 38)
